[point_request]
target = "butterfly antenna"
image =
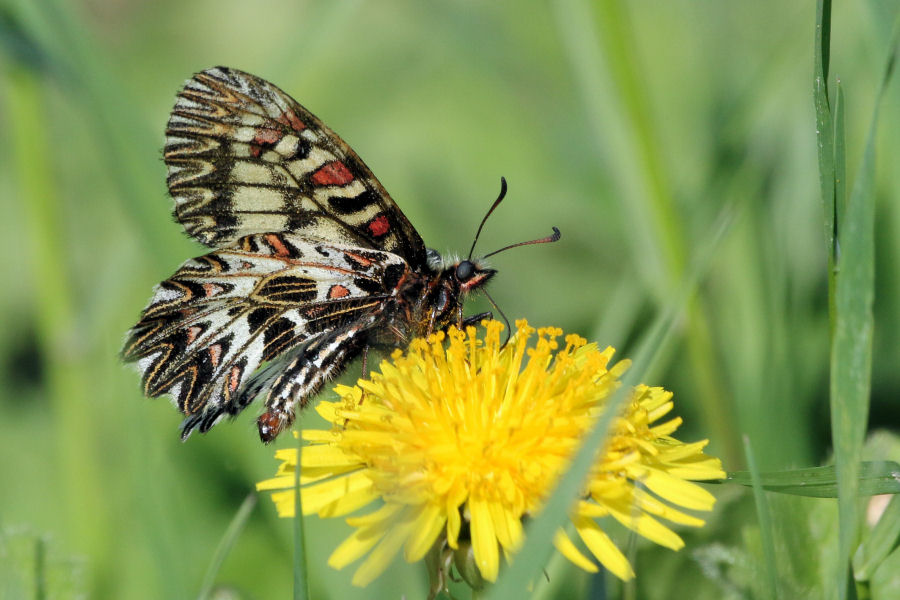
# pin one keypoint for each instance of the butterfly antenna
(502, 314)
(493, 206)
(544, 240)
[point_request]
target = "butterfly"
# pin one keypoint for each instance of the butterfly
(312, 261)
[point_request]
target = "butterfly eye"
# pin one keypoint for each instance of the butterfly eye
(465, 270)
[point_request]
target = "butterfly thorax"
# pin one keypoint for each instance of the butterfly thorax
(431, 300)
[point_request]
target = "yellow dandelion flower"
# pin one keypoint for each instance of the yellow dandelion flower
(461, 437)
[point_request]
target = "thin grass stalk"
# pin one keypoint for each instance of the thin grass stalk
(825, 129)
(229, 538)
(539, 534)
(851, 351)
(883, 538)
(40, 568)
(301, 571)
(764, 516)
(647, 186)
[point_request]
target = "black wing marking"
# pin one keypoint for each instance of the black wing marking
(245, 158)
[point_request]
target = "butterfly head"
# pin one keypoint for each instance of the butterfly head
(472, 274)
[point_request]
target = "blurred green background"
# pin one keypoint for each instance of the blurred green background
(635, 128)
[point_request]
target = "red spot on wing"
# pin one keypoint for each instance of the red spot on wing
(215, 353)
(292, 120)
(267, 136)
(277, 245)
(333, 173)
(264, 138)
(234, 378)
(193, 332)
(338, 291)
(211, 289)
(379, 226)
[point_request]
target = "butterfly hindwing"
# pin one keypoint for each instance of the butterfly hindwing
(221, 316)
(245, 158)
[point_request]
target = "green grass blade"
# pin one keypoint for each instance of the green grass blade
(885, 581)
(821, 482)
(32, 567)
(532, 558)
(129, 144)
(884, 537)
(825, 138)
(17, 43)
(539, 534)
(600, 39)
(763, 515)
(40, 568)
(230, 537)
(822, 57)
(840, 167)
(851, 351)
(301, 572)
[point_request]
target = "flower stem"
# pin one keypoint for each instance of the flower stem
(301, 578)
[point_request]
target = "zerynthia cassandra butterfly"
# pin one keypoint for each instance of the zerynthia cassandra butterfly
(312, 260)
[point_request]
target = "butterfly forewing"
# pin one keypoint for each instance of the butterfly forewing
(245, 158)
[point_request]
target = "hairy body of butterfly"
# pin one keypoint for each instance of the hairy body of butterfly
(313, 260)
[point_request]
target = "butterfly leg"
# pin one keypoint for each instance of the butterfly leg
(318, 362)
(476, 319)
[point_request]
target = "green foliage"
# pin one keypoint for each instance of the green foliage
(32, 566)
(763, 514)
(821, 482)
(674, 144)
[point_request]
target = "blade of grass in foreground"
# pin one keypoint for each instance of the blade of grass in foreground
(825, 138)
(872, 552)
(821, 482)
(539, 534)
(530, 560)
(228, 540)
(851, 350)
(600, 42)
(301, 573)
(765, 521)
(840, 167)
